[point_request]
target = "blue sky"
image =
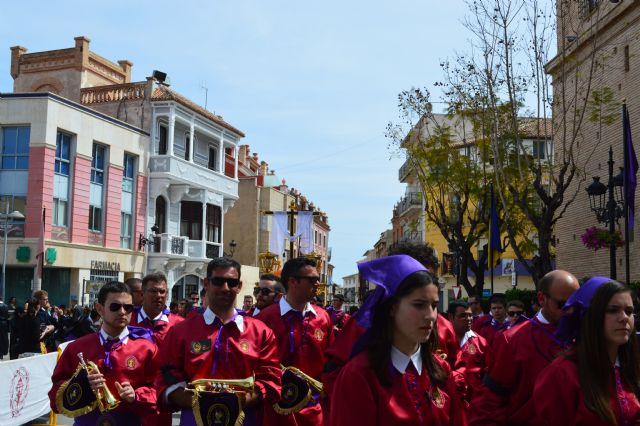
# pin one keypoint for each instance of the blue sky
(312, 85)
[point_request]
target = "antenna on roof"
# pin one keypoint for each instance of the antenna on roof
(206, 93)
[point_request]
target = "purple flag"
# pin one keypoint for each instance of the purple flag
(630, 167)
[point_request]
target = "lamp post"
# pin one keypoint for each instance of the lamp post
(606, 202)
(6, 216)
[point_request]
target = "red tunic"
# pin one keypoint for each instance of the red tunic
(559, 399)
(362, 400)
(160, 328)
(472, 363)
(134, 361)
(339, 353)
(311, 337)
(517, 358)
(447, 340)
(488, 328)
(188, 354)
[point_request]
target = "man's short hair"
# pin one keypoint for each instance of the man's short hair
(423, 253)
(112, 287)
(269, 277)
(173, 304)
(131, 281)
(40, 294)
(516, 303)
(222, 262)
(292, 267)
(193, 292)
(156, 277)
(453, 306)
(498, 298)
(339, 297)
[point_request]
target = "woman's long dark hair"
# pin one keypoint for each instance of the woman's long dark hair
(379, 350)
(594, 364)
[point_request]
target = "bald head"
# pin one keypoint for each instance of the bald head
(554, 290)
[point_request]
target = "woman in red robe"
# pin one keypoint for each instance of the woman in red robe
(397, 379)
(598, 381)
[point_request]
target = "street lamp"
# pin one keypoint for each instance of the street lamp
(607, 202)
(6, 216)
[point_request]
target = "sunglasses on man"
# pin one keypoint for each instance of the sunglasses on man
(219, 281)
(265, 291)
(115, 307)
(515, 313)
(559, 303)
(310, 279)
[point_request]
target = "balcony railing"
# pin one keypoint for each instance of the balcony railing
(411, 200)
(170, 244)
(405, 170)
(112, 93)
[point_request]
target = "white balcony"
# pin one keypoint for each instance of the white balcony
(182, 172)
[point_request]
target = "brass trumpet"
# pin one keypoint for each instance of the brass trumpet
(219, 385)
(106, 400)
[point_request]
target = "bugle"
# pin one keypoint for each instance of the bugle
(219, 401)
(106, 400)
(298, 390)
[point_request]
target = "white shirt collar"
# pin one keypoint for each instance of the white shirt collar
(540, 317)
(256, 311)
(468, 335)
(123, 334)
(286, 307)
(401, 361)
(142, 315)
(210, 317)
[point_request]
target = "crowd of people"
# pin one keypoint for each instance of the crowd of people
(571, 358)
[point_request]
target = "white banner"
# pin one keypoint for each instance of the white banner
(25, 384)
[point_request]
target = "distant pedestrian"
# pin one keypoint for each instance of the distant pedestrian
(4, 329)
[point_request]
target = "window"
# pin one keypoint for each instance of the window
(161, 214)
(627, 65)
(95, 219)
(540, 150)
(15, 148)
(191, 220)
(59, 212)
(11, 203)
(214, 222)
(97, 164)
(128, 173)
(63, 154)
(125, 230)
(213, 153)
(162, 143)
(187, 147)
(127, 200)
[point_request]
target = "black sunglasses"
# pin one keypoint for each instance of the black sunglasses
(312, 280)
(115, 307)
(265, 291)
(219, 281)
(514, 313)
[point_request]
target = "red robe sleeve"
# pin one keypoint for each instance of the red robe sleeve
(339, 352)
(447, 341)
(355, 404)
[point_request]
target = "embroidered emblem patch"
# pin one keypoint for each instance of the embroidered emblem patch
(439, 399)
(131, 363)
(200, 346)
(319, 335)
(244, 345)
(471, 349)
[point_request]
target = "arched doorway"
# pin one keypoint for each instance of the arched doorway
(186, 285)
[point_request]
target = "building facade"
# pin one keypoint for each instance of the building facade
(188, 157)
(597, 53)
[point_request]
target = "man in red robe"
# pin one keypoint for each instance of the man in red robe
(153, 313)
(125, 356)
(219, 344)
(489, 325)
(337, 315)
(268, 292)
(519, 355)
(472, 358)
(303, 332)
